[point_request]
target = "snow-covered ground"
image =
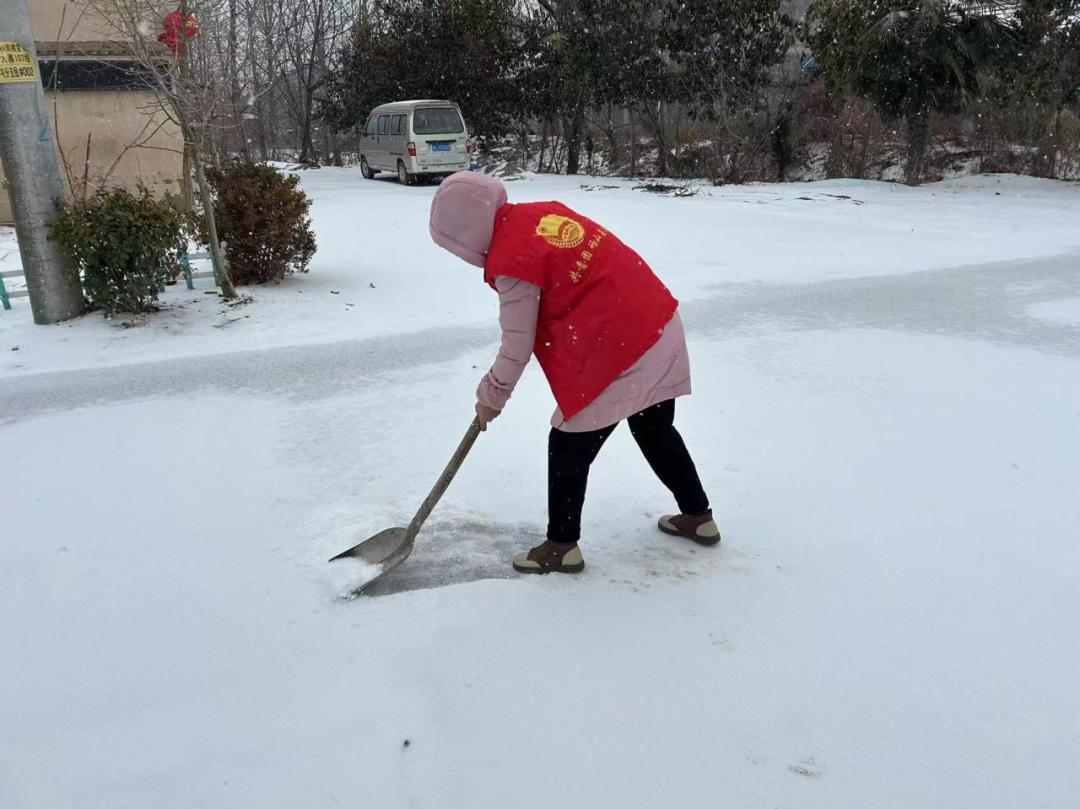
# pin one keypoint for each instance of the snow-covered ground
(377, 272)
(886, 415)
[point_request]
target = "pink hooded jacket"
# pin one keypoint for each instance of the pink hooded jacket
(463, 222)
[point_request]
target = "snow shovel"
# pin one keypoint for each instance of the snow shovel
(388, 549)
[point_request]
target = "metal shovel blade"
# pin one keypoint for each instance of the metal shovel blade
(389, 548)
(385, 551)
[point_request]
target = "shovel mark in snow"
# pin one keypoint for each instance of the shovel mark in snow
(455, 551)
(807, 769)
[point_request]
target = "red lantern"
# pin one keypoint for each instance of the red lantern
(174, 26)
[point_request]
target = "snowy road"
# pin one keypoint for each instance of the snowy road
(890, 621)
(996, 303)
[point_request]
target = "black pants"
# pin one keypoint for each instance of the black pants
(571, 454)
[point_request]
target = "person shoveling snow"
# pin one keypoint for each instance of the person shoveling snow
(607, 335)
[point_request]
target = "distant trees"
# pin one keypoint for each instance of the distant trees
(710, 88)
(464, 50)
(911, 59)
(915, 59)
(558, 62)
(1036, 76)
(719, 61)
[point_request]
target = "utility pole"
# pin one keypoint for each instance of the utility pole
(32, 170)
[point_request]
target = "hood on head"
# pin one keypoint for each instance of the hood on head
(463, 215)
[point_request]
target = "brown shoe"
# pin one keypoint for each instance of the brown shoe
(550, 557)
(699, 527)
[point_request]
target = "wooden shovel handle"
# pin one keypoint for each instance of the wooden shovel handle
(443, 482)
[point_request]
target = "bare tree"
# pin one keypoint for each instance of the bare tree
(263, 36)
(315, 30)
(190, 103)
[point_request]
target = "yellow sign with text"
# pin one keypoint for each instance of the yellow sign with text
(16, 64)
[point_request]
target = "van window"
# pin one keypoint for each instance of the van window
(369, 130)
(384, 124)
(399, 125)
(437, 121)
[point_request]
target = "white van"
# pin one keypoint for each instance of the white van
(415, 139)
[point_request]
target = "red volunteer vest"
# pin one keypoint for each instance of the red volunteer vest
(601, 307)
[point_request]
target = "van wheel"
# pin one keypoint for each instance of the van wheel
(403, 174)
(365, 169)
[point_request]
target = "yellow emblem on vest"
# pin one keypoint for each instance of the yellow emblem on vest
(561, 231)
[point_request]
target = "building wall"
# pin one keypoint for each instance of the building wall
(64, 20)
(115, 120)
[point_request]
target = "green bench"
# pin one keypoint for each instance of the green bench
(5, 296)
(185, 269)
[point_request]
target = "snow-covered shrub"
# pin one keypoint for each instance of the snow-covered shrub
(263, 219)
(125, 245)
